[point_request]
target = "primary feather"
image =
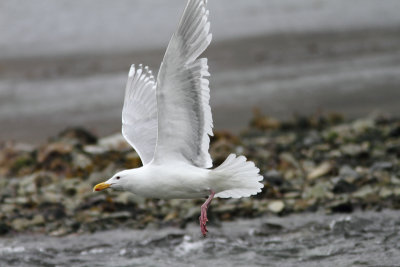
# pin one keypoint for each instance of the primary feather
(184, 113)
(139, 114)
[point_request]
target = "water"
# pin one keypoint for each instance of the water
(358, 239)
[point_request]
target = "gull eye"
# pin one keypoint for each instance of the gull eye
(117, 177)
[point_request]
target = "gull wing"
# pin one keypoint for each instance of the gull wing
(139, 114)
(184, 114)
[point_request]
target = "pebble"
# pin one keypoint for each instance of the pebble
(276, 206)
(322, 170)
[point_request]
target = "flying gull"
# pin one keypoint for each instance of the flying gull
(168, 122)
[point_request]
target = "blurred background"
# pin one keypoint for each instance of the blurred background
(65, 64)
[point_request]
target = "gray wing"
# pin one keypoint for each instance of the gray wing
(139, 114)
(184, 114)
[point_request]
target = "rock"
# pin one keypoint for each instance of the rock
(395, 131)
(84, 188)
(263, 122)
(385, 192)
(62, 231)
(38, 219)
(77, 136)
(341, 205)
(308, 165)
(361, 125)
(94, 149)
(69, 186)
(132, 160)
(292, 195)
(274, 177)
(384, 165)
(127, 198)
(320, 190)
(4, 228)
(114, 142)
(121, 215)
(396, 191)
(364, 192)
(289, 159)
(171, 216)
(27, 185)
(44, 178)
(81, 161)
(20, 224)
(52, 212)
(192, 212)
(342, 186)
(312, 138)
(7, 208)
(322, 170)
(52, 150)
(395, 180)
(17, 200)
(352, 150)
(347, 172)
(276, 206)
(224, 208)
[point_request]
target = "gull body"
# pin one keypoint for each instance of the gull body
(174, 181)
(168, 122)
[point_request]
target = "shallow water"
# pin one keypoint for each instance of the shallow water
(357, 239)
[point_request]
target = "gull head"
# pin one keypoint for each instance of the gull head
(118, 182)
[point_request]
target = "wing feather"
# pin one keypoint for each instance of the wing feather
(139, 114)
(184, 114)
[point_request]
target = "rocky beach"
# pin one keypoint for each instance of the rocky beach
(310, 164)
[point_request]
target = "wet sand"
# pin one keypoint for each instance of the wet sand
(354, 73)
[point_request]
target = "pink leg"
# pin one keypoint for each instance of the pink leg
(203, 217)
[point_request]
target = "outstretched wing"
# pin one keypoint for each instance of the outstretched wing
(139, 114)
(184, 113)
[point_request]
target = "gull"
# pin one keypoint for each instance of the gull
(168, 122)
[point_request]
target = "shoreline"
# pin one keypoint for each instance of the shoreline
(354, 73)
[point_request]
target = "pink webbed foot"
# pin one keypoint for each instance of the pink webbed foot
(203, 216)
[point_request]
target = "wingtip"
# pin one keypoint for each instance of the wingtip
(131, 70)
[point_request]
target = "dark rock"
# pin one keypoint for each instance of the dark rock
(341, 206)
(395, 131)
(78, 135)
(341, 186)
(273, 177)
(52, 212)
(4, 228)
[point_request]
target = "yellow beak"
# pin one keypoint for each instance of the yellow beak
(100, 186)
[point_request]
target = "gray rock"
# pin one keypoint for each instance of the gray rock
(383, 165)
(347, 172)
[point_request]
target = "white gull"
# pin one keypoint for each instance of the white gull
(168, 122)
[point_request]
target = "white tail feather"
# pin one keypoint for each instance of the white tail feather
(237, 178)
